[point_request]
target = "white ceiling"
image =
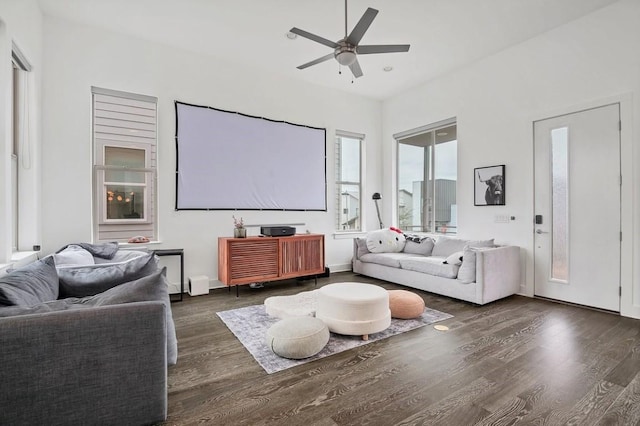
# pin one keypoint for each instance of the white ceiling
(444, 34)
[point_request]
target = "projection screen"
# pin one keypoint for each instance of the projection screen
(232, 161)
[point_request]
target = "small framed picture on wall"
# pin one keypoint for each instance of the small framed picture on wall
(489, 184)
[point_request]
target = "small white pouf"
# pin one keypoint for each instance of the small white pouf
(298, 305)
(354, 309)
(297, 337)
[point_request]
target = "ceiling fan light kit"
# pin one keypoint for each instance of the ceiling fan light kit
(346, 57)
(346, 50)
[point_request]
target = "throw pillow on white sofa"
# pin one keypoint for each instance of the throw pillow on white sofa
(390, 240)
(418, 245)
(454, 259)
(467, 272)
(361, 244)
(446, 246)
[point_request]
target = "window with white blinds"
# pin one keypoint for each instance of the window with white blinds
(125, 146)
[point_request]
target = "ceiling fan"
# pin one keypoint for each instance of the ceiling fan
(346, 50)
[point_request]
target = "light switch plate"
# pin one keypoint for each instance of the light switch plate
(501, 218)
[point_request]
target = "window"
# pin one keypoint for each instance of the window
(427, 177)
(125, 141)
(20, 148)
(348, 181)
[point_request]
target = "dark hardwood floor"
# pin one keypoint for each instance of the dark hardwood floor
(515, 361)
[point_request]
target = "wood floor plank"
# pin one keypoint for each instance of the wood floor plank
(593, 405)
(515, 361)
(625, 410)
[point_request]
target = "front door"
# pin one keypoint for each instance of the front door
(577, 207)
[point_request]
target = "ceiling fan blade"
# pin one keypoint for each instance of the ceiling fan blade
(361, 27)
(317, 39)
(316, 61)
(355, 69)
(382, 48)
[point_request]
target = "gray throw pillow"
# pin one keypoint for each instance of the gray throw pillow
(361, 247)
(81, 281)
(446, 246)
(33, 284)
(424, 246)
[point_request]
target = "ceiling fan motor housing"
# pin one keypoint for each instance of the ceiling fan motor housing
(345, 53)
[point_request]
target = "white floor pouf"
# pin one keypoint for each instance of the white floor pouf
(303, 304)
(354, 309)
(297, 337)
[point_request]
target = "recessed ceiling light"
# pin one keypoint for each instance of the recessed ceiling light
(442, 134)
(291, 36)
(388, 68)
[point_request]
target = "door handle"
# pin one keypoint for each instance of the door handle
(540, 231)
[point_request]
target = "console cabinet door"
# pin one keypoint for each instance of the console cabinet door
(302, 255)
(250, 260)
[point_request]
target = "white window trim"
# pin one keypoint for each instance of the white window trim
(150, 214)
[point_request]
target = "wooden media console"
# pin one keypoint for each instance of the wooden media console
(249, 260)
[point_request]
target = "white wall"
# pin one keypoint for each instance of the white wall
(586, 62)
(77, 57)
(20, 23)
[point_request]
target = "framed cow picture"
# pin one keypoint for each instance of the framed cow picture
(489, 184)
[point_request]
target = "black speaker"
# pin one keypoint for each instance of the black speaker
(277, 231)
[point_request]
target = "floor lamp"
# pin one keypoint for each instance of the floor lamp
(376, 196)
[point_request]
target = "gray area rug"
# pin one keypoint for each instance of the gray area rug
(250, 325)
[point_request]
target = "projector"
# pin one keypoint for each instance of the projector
(277, 231)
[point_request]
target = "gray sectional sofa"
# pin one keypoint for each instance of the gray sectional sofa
(85, 343)
(475, 271)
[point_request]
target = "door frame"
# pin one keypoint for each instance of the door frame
(629, 302)
(577, 287)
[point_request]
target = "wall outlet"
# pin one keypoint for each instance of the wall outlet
(501, 218)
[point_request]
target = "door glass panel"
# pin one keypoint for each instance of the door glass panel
(559, 204)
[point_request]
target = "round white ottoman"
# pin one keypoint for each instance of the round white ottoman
(297, 337)
(354, 309)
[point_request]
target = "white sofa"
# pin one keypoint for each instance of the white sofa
(492, 275)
